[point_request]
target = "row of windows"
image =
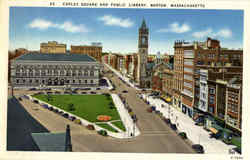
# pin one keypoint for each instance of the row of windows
(23, 81)
(19, 66)
(188, 92)
(188, 77)
(190, 70)
(188, 54)
(186, 84)
(188, 62)
(55, 72)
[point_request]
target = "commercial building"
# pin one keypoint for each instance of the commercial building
(93, 50)
(189, 58)
(233, 113)
(66, 70)
(52, 47)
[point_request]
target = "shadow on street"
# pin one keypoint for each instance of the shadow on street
(20, 125)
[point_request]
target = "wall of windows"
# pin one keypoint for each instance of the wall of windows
(188, 54)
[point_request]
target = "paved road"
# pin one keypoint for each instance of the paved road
(156, 136)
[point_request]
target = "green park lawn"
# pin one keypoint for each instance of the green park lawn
(119, 125)
(86, 106)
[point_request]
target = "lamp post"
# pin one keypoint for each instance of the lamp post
(134, 127)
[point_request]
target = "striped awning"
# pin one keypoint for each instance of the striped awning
(213, 130)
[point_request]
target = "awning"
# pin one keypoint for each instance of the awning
(213, 130)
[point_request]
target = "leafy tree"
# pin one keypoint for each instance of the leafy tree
(71, 107)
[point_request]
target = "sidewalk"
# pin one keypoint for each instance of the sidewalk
(125, 117)
(185, 124)
(122, 77)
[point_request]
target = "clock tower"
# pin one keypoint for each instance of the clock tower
(142, 54)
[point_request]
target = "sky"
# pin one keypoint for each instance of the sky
(117, 29)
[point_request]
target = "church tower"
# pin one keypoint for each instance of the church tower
(142, 54)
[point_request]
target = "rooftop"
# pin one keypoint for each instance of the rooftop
(50, 141)
(56, 57)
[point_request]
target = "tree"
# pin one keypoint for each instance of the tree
(49, 98)
(71, 107)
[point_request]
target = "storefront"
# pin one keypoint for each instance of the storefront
(187, 110)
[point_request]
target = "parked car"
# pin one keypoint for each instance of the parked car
(198, 148)
(98, 88)
(93, 92)
(56, 110)
(83, 92)
(173, 127)
(20, 99)
(50, 108)
(124, 91)
(61, 112)
(167, 121)
(32, 89)
(149, 110)
(65, 115)
(102, 132)
(36, 101)
(77, 121)
(183, 135)
(45, 106)
(72, 118)
(90, 127)
(217, 135)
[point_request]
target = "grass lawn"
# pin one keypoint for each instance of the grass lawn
(86, 106)
(107, 126)
(119, 125)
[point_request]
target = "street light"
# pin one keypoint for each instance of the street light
(134, 126)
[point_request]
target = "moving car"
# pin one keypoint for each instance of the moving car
(198, 148)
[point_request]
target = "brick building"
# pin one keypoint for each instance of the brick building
(233, 113)
(94, 51)
(189, 58)
(52, 47)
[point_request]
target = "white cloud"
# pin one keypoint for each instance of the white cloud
(202, 34)
(224, 33)
(69, 27)
(176, 28)
(110, 20)
(66, 26)
(41, 24)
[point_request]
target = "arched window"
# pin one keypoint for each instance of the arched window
(86, 73)
(91, 73)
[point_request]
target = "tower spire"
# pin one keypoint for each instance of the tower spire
(143, 25)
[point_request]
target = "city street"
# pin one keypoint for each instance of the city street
(155, 137)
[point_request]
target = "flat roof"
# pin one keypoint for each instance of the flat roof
(49, 141)
(55, 57)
